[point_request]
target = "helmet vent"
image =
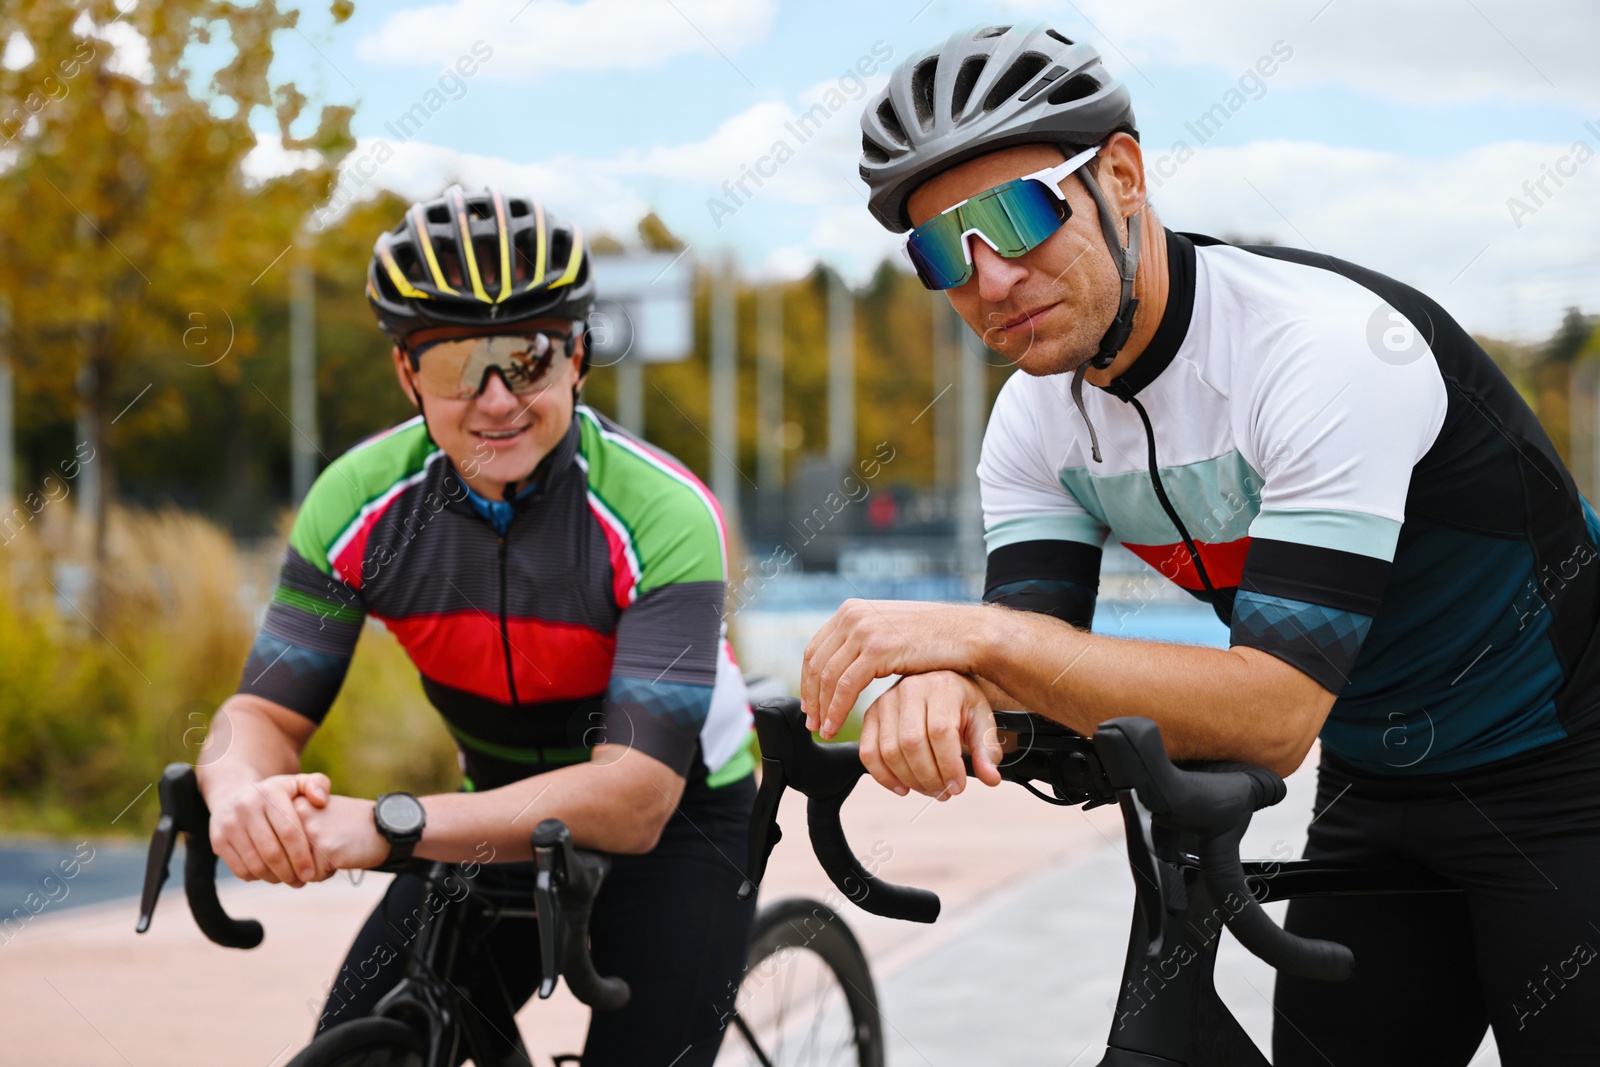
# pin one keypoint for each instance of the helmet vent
(439, 214)
(450, 263)
(1016, 76)
(873, 151)
(487, 250)
(891, 122)
(523, 256)
(991, 31)
(922, 90)
(519, 208)
(560, 251)
(405, 257)
(480, 209)
(1075, 88)
(1057, 36)
(966, 78)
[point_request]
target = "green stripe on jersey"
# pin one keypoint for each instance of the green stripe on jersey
(1346, 531)
(673, 529)
(1216, 498)
(740, 766)
(327, 609)
(353, 481)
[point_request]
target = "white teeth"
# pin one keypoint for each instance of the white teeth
(498, 434)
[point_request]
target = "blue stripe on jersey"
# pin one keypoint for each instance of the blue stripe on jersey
(1321, 641)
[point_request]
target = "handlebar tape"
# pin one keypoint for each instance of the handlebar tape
(1215, 802)
(185, 806)
(825, 774)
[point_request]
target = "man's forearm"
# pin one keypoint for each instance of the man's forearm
(245, 744)
(613, 805)
(1211, 703)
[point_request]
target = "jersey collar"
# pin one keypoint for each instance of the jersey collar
(1174, 322)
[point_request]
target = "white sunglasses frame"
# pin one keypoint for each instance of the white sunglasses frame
(1050, 177)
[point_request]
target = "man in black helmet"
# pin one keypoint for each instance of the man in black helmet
(1329, 461)
(559, 586)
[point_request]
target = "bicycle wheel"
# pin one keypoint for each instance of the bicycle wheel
(807, 998)
(364, 1043)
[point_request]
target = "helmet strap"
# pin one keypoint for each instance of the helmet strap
(1126, 258)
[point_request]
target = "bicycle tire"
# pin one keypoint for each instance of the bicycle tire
(794, 943)
(364, 1043)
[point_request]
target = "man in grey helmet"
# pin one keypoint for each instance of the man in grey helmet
(1323, 456)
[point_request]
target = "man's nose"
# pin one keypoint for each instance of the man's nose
(497, 398)
(996, 275)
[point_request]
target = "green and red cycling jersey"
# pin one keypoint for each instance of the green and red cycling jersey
(588, 610)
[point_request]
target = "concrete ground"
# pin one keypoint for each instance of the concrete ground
(1020, 969)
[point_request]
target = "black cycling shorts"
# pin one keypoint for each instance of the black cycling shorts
(1518, 949)
(667, 921)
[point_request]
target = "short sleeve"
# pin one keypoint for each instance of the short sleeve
(1023, 498)
(1335, 432)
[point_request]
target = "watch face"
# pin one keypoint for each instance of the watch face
(400, 813)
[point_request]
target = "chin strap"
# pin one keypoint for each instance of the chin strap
(1126, 258)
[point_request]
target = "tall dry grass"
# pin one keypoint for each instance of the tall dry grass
(104, 683)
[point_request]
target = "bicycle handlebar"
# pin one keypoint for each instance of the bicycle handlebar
(1214, 802)
(564, 890)
(1125, 760)
(183, 810)
(567, 880)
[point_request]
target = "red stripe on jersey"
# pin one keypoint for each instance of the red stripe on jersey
(623, 585)
(551, 660)
(1224, 562)
(348, 563)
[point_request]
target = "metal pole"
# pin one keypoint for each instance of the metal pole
(724, 396)
(303, 377)
(770, 389)
(841, 372)
(8, 393)
(630, 393)
(88, 435)
(973, 397)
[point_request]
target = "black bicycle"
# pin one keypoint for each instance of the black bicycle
(1183, 826)
(806, 999)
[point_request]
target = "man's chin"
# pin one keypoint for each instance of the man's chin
(1041, 361)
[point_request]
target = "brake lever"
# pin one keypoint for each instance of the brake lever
(765, 833)
(183, 810)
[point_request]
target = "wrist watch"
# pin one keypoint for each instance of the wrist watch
(400, 818)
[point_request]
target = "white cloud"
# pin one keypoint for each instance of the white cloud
(1443, 225)
(533, 39)
(130, 52)
(1418, 51)
(804, 153)
(18, 52)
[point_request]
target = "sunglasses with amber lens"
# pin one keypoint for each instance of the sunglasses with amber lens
(459, 369)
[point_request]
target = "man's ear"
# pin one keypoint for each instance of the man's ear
(402, 371)
(1121, 173)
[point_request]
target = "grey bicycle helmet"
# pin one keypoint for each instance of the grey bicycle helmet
(983, 89)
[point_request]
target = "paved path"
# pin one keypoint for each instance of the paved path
(1019, 970)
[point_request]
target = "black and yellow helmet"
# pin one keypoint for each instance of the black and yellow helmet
(488, 260)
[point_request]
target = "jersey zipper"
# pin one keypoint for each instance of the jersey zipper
(505, 630)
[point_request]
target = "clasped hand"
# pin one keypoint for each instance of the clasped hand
(291, 829)
(912, 736)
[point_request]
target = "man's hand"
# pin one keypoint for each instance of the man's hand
(869, 639)
(343, 832)
(913, 735)
(257, 830)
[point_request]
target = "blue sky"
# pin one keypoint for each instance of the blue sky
(1396, 133)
